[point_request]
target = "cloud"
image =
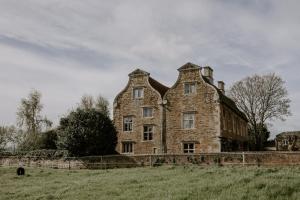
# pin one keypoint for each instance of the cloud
(67, 48)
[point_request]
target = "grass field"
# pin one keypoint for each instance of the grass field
(165, 182)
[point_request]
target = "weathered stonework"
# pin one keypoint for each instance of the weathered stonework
(288, 141)
(126, 105)
(193, 116)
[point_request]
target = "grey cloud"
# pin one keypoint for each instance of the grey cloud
(71, 47)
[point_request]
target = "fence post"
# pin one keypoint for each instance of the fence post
(150, 160)
(101, 163)
(243, 158)
(69, 164)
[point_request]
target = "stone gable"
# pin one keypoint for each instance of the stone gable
(193, 116)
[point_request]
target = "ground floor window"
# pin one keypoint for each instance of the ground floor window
(127, 147)
(148, 132)
(188, 147)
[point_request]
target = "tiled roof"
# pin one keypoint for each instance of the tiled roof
(139, 72)
(188, 66)
(297, 133)
(226, 100)
(158, 86)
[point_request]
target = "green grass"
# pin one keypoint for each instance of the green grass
(165, 182)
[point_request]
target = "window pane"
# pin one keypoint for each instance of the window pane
(138, 93)
(192, 89)
(188, 120)
(186, 89)
(188, 148)
(127, 123)
(147, 112)
(189, 88)
(148, 132)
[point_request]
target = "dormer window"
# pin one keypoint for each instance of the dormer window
(138, 93)
(189, 88)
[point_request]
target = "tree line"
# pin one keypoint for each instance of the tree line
(85, 130)
(88, 130)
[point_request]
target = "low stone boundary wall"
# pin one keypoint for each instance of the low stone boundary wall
(122, 161)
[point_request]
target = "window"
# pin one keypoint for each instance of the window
(188, 120)
(138, 93)
(188, 147)
(189, 88)
(285, 142)
(127, 147)
(148, 132)
(127, 124)
(147, 112)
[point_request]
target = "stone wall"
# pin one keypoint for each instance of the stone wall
(218, 124)
(233, 131)
(122, 161)
(203, 103)
(126, 105)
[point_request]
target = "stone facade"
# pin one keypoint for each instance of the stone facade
(288, 141)
(193, 116)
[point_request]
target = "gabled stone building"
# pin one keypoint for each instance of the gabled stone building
(193, 116)
(288, 141)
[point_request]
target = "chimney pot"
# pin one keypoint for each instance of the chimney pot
(221, 86)
(208, 73)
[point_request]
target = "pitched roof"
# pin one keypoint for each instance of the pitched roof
(162, 89)
(288, 133)
(189, 66)
(139, 72)
(226, 100)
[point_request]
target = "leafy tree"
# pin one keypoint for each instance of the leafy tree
(262, 139)
(87, 132)
(3, 138)
(30, 120)
(262, 99)
(9, 135)
(48, 140)
(100, 104)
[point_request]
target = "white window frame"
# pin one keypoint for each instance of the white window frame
(127, 123)
(147, 114)
(187, 118)
(189, 149)
(138, 93)
(127, 147)
(148, 132)
(189, 88)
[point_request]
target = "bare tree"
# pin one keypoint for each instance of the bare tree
(30, 120)
(3, 138)
(87, 102)
(100, 104)
(262, 99)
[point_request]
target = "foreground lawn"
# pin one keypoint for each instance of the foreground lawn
(165, 182)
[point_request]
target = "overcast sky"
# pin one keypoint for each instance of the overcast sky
(67, 48)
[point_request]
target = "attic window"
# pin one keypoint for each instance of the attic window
(138, 93)
(189, 88)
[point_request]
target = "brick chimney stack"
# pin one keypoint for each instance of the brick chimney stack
(221, 86)
(208, 73)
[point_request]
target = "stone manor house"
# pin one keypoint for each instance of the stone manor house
(193, 116)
